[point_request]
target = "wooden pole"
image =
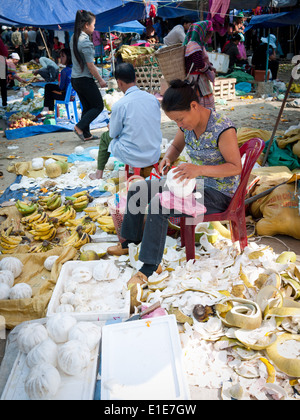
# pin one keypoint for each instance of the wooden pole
(278, 120)
(47, 49)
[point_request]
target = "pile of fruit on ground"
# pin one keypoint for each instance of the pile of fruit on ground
(50, 220)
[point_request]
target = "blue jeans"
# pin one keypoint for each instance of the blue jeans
(153, 235)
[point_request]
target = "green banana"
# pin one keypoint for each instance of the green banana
(26, 209)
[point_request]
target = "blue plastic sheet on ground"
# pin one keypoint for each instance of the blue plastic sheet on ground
(18, 194)
(85, 157)
(19, 133)
(62, 125)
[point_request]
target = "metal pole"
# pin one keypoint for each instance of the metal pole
(268, 55)
(278, 120)
(112, 53)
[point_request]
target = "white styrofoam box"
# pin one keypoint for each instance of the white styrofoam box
(149, 365)
(65, 275)
(81, 387)
(219, 61)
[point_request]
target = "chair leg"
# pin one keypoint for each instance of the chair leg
(188, 238)
(182, 231)
(239, 231)
(68, 111)
(75, 112)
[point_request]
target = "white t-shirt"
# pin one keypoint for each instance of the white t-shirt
(175, 36)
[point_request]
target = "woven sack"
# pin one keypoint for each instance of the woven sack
(172, 62)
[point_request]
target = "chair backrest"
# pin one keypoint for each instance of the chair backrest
(250, 151)
(68, 93)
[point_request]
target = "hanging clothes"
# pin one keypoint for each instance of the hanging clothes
(219, 7)
(218, 10)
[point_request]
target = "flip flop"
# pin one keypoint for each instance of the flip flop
(79, 135)
(92, 138)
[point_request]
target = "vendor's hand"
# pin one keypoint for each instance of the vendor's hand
(102, 83)
(186, 172)
(164, 162)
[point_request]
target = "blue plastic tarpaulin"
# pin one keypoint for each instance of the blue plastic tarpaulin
(63, 12)
(275, 20)
(128, 27)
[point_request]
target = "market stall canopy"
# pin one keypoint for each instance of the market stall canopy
(129, 27)
(275, 20)
(63, 12)
(174, 9)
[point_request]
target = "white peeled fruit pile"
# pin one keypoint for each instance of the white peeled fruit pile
(12, 264)
(59, 349)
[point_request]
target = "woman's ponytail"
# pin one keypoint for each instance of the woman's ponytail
(82, 17)
(179, 96)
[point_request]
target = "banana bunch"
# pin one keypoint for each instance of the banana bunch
(41, 247)
(86, 223)
(8, 241)
(37, 217)
(295, 88)
(51, 202)
(63, 214)
(43, 232)
(26, 208)
(96, 212)
(78, 238)
(107, 225)
(80, 200)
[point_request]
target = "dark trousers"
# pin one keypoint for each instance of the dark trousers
(50, 74)
(3, 88)
(53, 92)
(91, 101)
(153, 235)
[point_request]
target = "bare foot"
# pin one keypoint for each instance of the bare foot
(97, 175)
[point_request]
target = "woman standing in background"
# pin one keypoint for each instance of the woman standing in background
(3, 72)
(83, 73)
(197, 62)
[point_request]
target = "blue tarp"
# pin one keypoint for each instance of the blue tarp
(128, 27)
(63, 12)
(275, 20)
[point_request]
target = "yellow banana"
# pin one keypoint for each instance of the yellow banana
(7, 246)
(11, 240)
(79, 194)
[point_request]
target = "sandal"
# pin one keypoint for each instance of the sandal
(92, 138)
(79, 135)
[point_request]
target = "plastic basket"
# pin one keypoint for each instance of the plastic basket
(172, 62)
(117, 211)
(117, 214)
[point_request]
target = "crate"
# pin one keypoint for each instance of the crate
(224, 88)
(148, 77)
